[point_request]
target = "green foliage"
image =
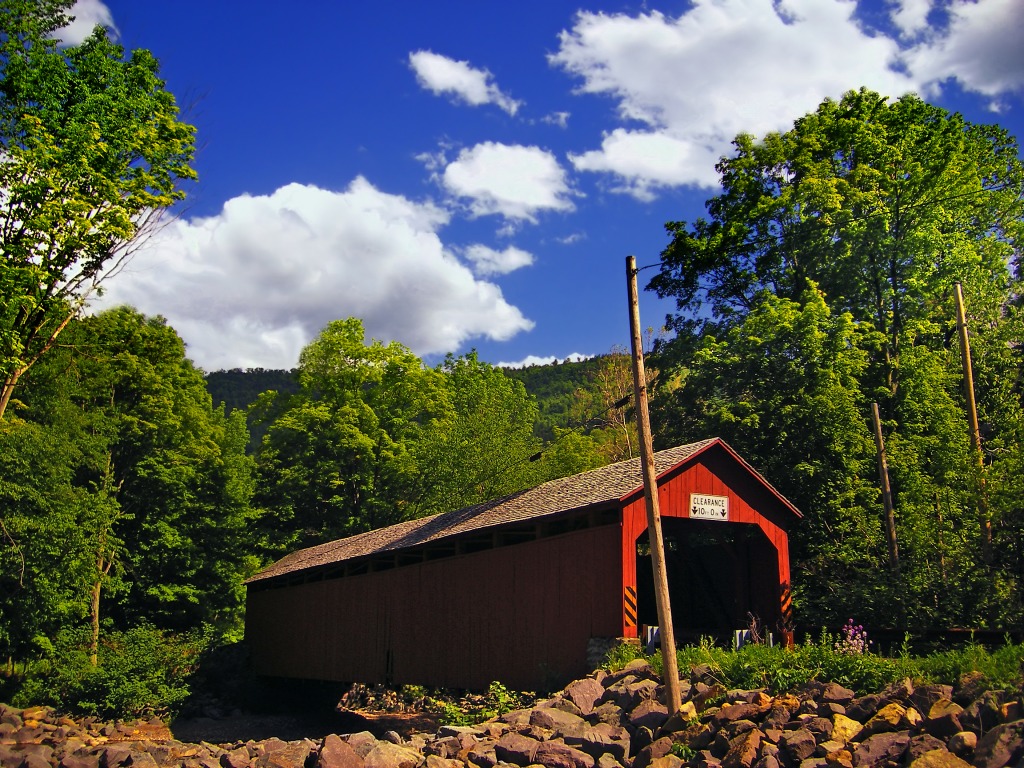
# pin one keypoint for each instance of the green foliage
(478, 446)
(93, 150)
(778, 670)
(497, 701)
(142, 671)
(821, 282)
(121, 480)
(683, 751)
(620, 655)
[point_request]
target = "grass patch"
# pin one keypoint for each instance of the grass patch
(778, 670)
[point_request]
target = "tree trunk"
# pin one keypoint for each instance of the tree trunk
(8, 390)
(94, 611)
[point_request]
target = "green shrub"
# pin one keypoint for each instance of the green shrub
(828, 659)
(142, 671)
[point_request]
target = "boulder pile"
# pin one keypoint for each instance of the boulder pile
(606, 720)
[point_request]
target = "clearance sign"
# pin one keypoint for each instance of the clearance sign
(704, 507)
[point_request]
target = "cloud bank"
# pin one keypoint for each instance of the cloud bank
(252, 285)
(684, 86)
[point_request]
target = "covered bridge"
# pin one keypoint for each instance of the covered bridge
(514, 589)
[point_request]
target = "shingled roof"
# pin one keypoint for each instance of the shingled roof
(607, 484)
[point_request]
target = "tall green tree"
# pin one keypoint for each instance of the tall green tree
(93, 152)
(479, 447)
(160, 478)
(338, 457)
(880, 206)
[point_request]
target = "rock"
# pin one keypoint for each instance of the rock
(433, 761)
(938, 758)
(480, 755)
(237, 758)
(560, 722)
(943, 718)
(798, 745)
(557, 754)
(888, 718)
(334, 753)
(863, 708)
(963, 744)
(881, 749)
(744, 711)
(921, 744)
(603, 739)
(1001, 746)
(667, 761)
(584, 694)
(291, 755)
(114, 756)
(983, 713)
(840, 758)
(652, 752)
(392, 736)
(75, 760)
(515, 748)
(607, 761)
(743, 750)
(834, 693)
(925, 696)
(362, 742)
(767, 761)
(649, 713)
(680, 720)
(845, 729)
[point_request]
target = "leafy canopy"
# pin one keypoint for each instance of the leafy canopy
(91, 150)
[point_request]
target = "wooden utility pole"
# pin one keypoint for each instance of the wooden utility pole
(972, 415)
(883, 479)
(670, 665)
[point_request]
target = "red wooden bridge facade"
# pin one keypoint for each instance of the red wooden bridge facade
(514, 589)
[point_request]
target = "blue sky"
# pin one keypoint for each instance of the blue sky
(467, 174)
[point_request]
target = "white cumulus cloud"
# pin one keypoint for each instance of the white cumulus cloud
(513, 181)
(526, 362)
(87, 14)
(980, 46)
(442, 75)
(486, 261)
(252, 285)
(685, 85)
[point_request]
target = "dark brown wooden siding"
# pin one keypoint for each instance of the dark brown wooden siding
(520, 614)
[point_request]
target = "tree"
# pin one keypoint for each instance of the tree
(338, 457)
(480, 448)
(160, 478)
(93, 151)
(880, 207)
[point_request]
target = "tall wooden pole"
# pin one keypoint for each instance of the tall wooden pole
(883, 479)
(673, 697)
(972, 415)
